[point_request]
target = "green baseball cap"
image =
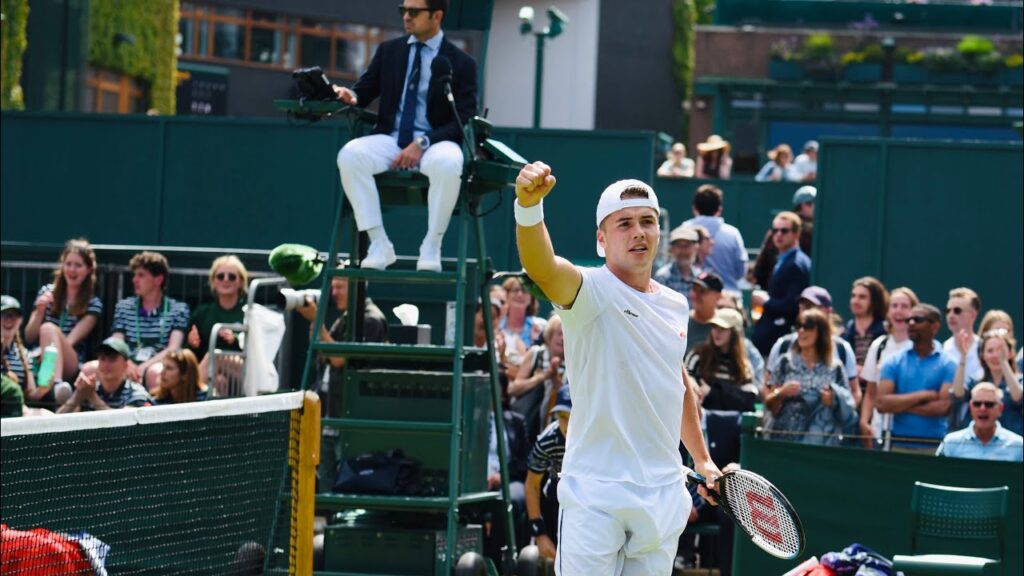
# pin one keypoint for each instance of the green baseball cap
(117, 346)
(299, 264)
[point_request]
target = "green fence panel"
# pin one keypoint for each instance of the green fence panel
(846, 495)
(69, 175)
(928, 215)
(747, 205)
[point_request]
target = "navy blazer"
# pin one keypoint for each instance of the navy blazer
(782, 307)
(385, 78)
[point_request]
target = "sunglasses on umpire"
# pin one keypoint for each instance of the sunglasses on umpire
(229, 276)
(412, 12)
(983, 403)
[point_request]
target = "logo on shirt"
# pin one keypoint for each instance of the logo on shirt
(629, 312)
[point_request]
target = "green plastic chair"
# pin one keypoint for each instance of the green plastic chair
(951, 519)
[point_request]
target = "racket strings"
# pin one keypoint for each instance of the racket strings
(764, 516)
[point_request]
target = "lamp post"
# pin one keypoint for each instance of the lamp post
(556, 24)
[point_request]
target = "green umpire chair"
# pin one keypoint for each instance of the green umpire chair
(949, 520)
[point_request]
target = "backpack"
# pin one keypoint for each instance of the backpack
(881, 347)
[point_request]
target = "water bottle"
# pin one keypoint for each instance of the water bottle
(47, 366)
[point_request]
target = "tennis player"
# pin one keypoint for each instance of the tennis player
(622, 493)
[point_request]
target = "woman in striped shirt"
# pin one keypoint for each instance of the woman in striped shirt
(67, 310)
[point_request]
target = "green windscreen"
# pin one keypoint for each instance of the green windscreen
(206, 496)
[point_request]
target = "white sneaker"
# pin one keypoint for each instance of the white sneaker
(430, 257)
(379, 255)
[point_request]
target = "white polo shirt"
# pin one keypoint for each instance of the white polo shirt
(624, 354)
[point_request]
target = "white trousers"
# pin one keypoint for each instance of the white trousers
(362, 158)
(619, 528)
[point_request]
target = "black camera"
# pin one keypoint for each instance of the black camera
(313, 84)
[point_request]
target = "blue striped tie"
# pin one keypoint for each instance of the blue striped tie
(405, 125)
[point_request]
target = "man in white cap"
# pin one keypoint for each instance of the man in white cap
(622, 492)
(680, 273)
(806, 164)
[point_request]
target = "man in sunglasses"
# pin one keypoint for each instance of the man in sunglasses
(791, 274)
(416, 128)
(962, 311)
(985, 438)
(914, 385)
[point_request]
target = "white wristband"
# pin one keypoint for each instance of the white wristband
(529, 215)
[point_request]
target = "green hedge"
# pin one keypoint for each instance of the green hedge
(685, 15)
(153, 24)
(12, 45)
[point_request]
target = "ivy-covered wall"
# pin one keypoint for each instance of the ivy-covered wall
(12, 45)
(683, 58)
(136, 37)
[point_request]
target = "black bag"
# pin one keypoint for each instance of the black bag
(387, 473)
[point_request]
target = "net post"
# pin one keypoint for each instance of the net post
(309, 459)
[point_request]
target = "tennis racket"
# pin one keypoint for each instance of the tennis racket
(760, 510)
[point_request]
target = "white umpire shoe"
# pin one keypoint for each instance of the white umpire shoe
(430, 257)
(379, 255)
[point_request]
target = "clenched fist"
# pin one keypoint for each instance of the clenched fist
(534, 183)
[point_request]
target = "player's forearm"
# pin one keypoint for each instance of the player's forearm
(536, 252)
(690, 432)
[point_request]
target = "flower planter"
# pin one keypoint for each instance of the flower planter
(985, 78)
(785, 71)
(821, 72)
(909, 74)
(863, 72)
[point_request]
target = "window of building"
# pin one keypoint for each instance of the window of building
(262, 38)
(111, 92)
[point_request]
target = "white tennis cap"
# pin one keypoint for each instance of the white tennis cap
(611, 201)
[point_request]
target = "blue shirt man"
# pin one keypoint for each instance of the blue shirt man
(985, 438)
(914, 385)
(729, 257)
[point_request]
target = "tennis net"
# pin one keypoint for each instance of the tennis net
(218, 487)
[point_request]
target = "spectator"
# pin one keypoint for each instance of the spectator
(539, 378)
(704, 294)
(816, 297)
(914, 385)
(806, 165)
(521, 325)
(713, 160)
(791, 274)
(109, 386)
(676, 165)
(375, 329)
(761, 271)
(705, 246)
(517, 448)
(544, 468)
(996, 320)
(680, 273)
(753, 356)
(480, 331)
(67, 310)
(962, 311)
(151, 322)
(180, 380)
(810, 402)
(779, 167)
(416, 129)
(720, 367)
(998, 369)
(985, 438)
(229, 281)
(16, 356)
(803, 204)
(12, 399)
(728, 259)
(869, 302)
(897, 341)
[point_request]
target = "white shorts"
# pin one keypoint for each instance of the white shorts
(613, 528)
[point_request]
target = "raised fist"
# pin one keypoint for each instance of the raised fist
(534, 183)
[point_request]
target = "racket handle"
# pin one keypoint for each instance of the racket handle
(695, 478)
